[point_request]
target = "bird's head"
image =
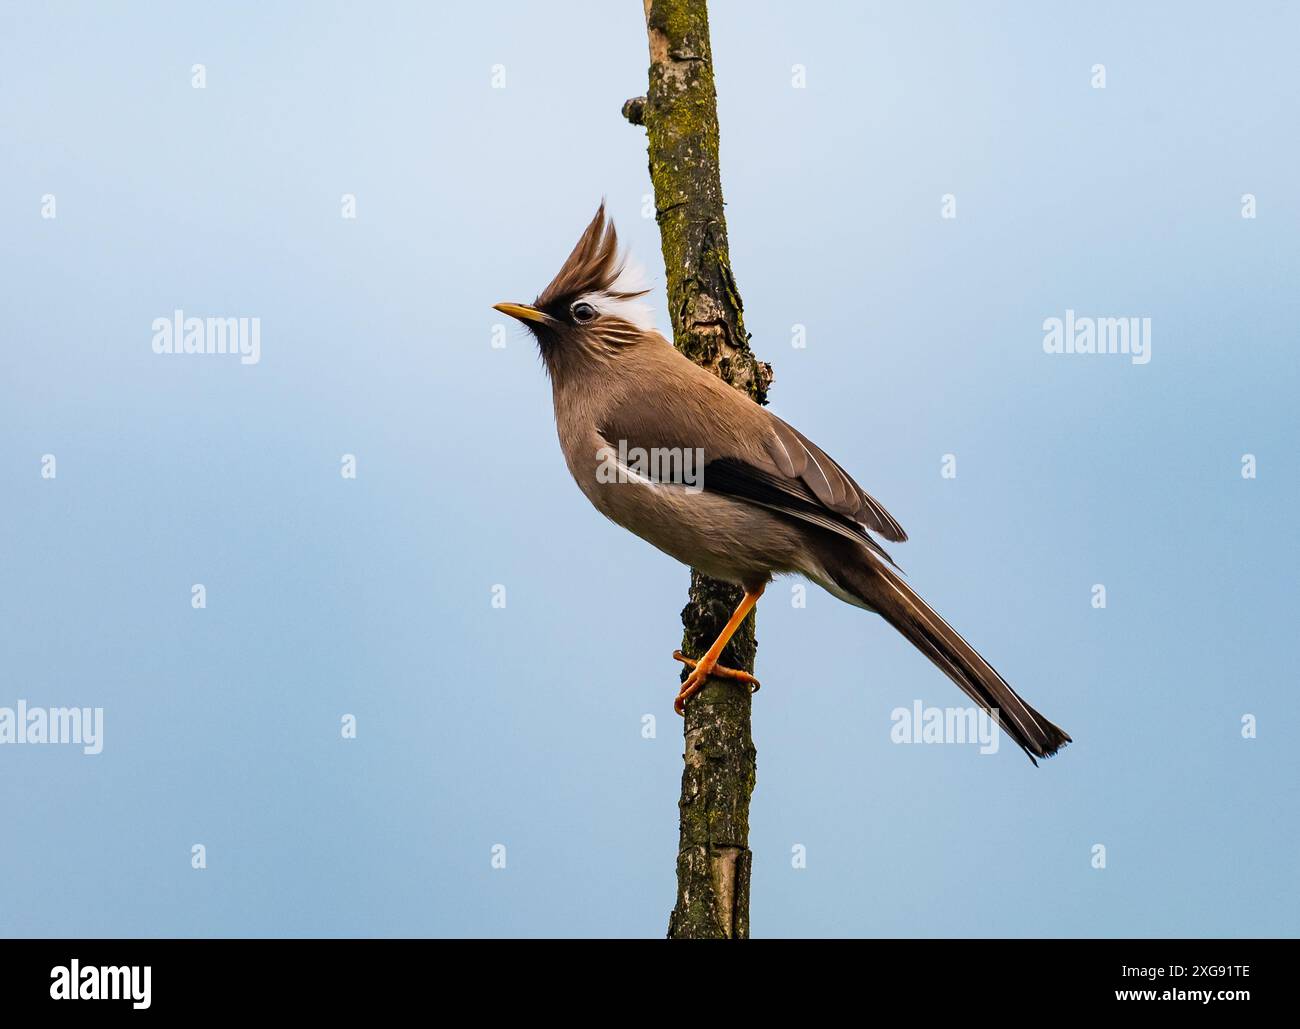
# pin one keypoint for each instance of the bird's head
(593, 306)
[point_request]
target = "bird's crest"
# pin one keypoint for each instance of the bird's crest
(596, 272)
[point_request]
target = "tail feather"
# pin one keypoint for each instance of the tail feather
(884, 591)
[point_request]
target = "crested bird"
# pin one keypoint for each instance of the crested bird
(764, 500)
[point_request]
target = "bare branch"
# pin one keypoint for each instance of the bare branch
(680, 114)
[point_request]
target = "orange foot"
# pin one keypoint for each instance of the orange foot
(702, 671)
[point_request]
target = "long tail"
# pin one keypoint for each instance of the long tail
(882, 590)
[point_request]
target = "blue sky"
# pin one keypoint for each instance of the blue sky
(522, 726)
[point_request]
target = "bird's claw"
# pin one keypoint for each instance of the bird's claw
(700, 674)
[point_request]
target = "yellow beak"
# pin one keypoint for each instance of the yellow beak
(522, 311)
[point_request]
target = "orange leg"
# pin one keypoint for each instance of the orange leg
(708, 664)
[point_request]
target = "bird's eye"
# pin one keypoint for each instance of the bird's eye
(583, 312)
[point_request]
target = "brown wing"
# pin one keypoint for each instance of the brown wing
(776, 492)
(748, 452)
(800, 458)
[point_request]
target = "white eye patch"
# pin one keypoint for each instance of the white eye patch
(631, 279)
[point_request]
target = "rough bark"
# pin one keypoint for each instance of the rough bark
(680, 115)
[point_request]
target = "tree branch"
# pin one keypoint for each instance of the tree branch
(634, 110)
(680, 114)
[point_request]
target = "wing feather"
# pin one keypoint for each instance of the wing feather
(735, 478)
(748, 452)
(830, 483)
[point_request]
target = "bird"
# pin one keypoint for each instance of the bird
(740, 495)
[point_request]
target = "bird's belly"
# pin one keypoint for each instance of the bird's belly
(723, 538)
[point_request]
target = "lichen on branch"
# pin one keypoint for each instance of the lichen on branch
(680, 115)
